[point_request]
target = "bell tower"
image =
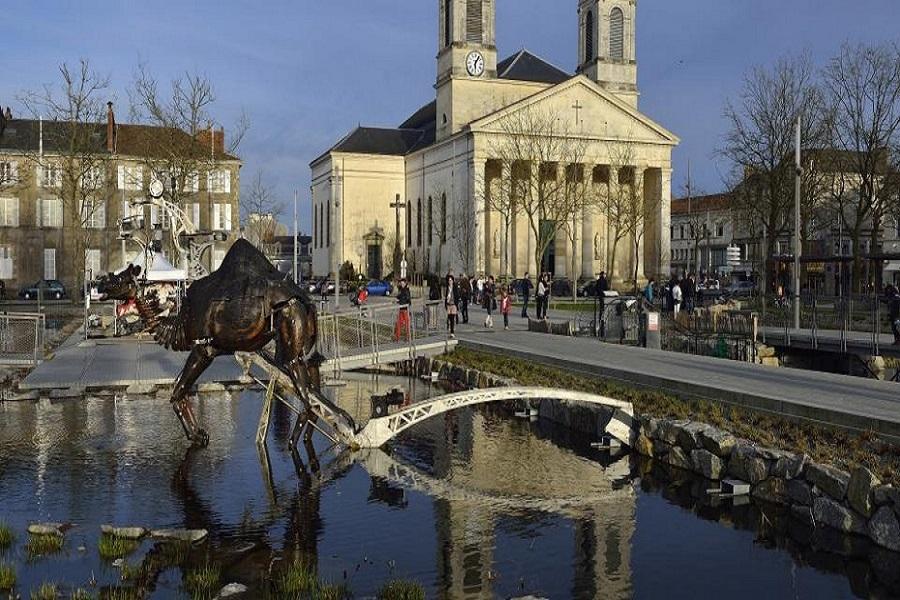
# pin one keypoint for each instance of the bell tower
(606, 45)
(467, 51)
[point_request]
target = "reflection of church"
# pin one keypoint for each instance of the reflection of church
(430, 180)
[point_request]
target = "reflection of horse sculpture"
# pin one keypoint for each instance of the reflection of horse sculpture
(240, 307)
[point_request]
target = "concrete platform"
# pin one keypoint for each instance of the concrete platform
(849, 402)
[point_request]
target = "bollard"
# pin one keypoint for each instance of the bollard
(650, 325)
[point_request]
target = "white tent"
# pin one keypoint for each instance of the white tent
(159, 268)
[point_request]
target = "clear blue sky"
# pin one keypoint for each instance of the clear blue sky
(307, 71)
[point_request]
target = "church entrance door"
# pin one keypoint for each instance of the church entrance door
(375, 261)
(548, 262)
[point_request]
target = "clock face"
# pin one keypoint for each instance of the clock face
(475, 64)
(156, 188)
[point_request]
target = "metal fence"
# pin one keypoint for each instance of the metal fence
(371, 330)
(22, 338)
(617, 321)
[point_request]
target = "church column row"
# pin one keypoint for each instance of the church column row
(595, 238)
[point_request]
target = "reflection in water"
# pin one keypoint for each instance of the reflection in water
(473, 504)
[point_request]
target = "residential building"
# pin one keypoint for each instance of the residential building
(63, 212)
(440, 168)
(703, 228)
(283, 254)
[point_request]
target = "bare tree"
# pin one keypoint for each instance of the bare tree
(462, 229)
(72, 156)
(760, 141)
(181, 144)
(615, 202)
(261, 212)
(537, 147)
(863, 87)
(579, 186)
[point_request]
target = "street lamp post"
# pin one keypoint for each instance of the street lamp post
(797, 247)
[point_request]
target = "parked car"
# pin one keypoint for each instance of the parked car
(48, 289)
(740, 289)
(588, 289)
(561, 288)
(378, 287)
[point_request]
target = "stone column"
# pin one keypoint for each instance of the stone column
(665, 221)
(639, 180)
(507, 241)
(477, 181)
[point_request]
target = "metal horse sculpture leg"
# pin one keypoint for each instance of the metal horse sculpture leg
(200, 358)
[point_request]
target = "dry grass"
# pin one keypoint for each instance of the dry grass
(822, 444)
(42, 545)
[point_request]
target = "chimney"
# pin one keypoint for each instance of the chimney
(110, 128)
(217, 143)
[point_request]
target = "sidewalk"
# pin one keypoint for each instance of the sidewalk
(849, 402)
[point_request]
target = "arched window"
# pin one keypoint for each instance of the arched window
(316, 235)
(443, 218)
(474, 22)
(430, 220)
(419, 223)
(328, 225)
(617, 34)
(448, 15)
(589, 36)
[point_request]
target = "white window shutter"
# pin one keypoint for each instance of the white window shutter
(37, 213)
(14, 170)
(226, 181)
(196, 216)
(216, 220)
(227, 217)
(121, 176)
(39, 173)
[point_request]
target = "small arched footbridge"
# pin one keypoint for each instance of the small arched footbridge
(380, 430)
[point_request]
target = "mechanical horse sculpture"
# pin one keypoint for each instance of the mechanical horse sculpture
(241, 307)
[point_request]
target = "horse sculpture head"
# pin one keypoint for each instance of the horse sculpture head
(119, 286)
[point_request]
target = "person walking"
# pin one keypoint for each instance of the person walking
(465, 296)
(689, 292)
(404, 299)
(676, 298)
(451, 303)
(526, 294)
(505, 307)
(648, 291)
(893, 303)
(488, 301)
(548, 291)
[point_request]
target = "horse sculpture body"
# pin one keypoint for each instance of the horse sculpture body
(241, 307)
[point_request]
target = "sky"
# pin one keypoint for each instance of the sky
(308, 71)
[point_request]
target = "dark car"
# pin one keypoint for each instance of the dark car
(379, 288)
(588, 289)
(48, 288)
(561, 287)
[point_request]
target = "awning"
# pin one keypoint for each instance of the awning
(159, 268)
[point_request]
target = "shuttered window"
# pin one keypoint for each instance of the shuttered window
(448, 14)
(9, 212)
(474, 22)
(616, 34)
(589, 36)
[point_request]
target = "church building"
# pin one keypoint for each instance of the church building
(515, 164)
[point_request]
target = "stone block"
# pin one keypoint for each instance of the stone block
(644, 446)
(707, 464)
(830, 480)
(763, 351)
(887, 495)
(717, 441)
(800, 492)
(790, 466)
(884, 529)
(678, 458)
(472, 378)
(650, 427)
(180, 535)
(232, 589)
(837, 516)
(745, 464)
(688, 435)
(660, 449)
(668, 431)
(46, 528)
(773, 489)
(804, 514)
(140, 389)
(860, 490)
(770, 361)
(735, 486)
(210, 387)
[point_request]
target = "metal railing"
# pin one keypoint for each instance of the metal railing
(22, 338)
(371, 331)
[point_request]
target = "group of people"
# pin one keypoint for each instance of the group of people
(681, 294)
(482, 291)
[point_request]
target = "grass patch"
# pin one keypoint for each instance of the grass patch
(7, 576)
(112, 547)
(47, 591)
(82, 594)
(823, 444)
(122, 593)
(401, 589)
(300, 580)
(42, 545)
(7, 537)
(203, 582)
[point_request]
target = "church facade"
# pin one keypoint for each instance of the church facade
(516, 165)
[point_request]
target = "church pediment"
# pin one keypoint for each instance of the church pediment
(583, 107)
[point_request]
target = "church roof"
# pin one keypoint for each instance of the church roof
(376, 140)
(525, 66)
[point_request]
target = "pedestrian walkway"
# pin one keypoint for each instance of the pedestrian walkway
(849, 402)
